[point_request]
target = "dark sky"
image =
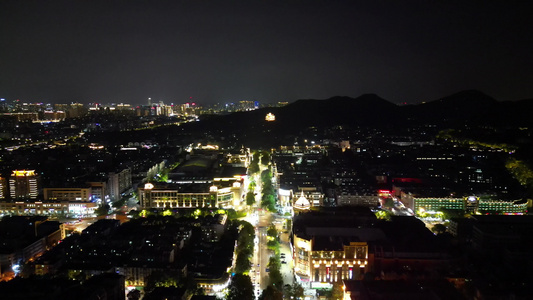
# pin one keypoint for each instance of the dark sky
(221, 51)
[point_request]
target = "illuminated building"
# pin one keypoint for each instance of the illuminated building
(24, 184)
(311, 195)
(332, 245)
(314, 259)
(270, 117)
(118, 183)
(3, 188)
(469, 204)
(172, 196)
(356, 199)
(98, 190)
(48, 208)
(302, 204)
(67, 194)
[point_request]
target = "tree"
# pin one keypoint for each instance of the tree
(274, 262)
(265, 158)
(272, 231)
(240, 288)
(242, 263)
(102, 210)
(161, 279)
(250, 198)
(298, 291)
(253, 168)
(273, 245)
(383, 215)
(119, 203)
(336, 292)
(268, 202)
(439, 228)
(266, 177)
(252, 185)
(271, 293)
(245, 247)
(294, 291)
(275, 278)
(134, 295)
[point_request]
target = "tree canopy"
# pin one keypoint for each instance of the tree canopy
(240, 288)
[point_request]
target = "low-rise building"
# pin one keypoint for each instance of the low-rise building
(68, 194)
(165, 196)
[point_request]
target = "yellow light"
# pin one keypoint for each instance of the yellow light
(19, 173)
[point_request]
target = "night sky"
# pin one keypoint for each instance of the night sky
(222, 51)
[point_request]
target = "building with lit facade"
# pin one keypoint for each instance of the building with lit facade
(471, 204)
(67, 194)
(118, 183)
(166, 196)
(301, 204)
(369, 200)
(323, 262)
(3, 188)
(336, 244)
(48, 208)
(332, 245)
(270, 117)
(24, 184)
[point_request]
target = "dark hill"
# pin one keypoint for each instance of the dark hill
(368, 109)
(464, 106)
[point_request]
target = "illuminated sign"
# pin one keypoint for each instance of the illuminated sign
(321, 285)
(23, 173)
(148, 186)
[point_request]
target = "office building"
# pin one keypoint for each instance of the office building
(24, 184)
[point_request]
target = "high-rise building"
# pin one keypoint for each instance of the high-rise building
(24, 184)
(118, 183)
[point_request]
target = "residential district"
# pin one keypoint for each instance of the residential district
(122, 202)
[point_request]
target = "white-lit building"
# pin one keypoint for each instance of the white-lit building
(47, 208)
(118, 183)
(24, 184)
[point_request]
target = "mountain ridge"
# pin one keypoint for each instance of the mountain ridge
(470, 107)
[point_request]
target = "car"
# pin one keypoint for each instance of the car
(283, 262)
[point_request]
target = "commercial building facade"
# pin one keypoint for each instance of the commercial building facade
(320, 266)
(67, 194)
(167, 197)
(469, 204)
(48, 208)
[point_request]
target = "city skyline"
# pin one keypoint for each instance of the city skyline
(65, 51)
